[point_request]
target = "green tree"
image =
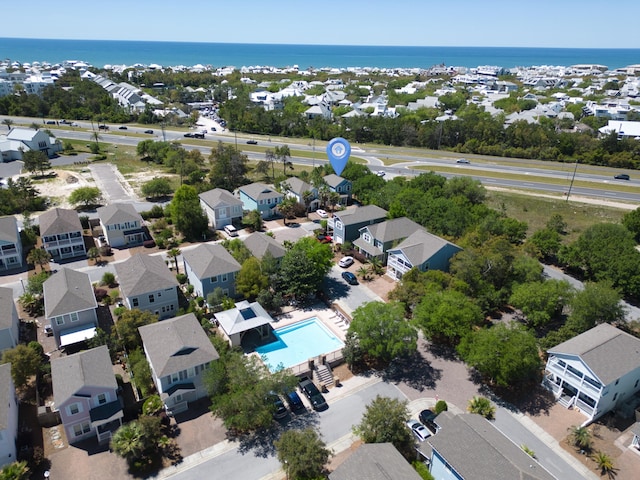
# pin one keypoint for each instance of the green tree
(94, 254)
(39, 256)
(87, 196)
(541, 302)
(384, 420)
(127, 326)
(283, 154)
(481, 406)
(605, 463)
(109, 279)
(302, 454)
(187, 214)
(544, 244)
(505, 355)
(250, 280)
(174, 253)
(580, 437)
(25, 363)
(237, 249)
(303, 268)
(8, 122)
(141, 370)
(36, 160)
(631, 220)
(382, 332)
(142, 442)
(447, 316)
(157, 187)
(253, 221)
(35, 282)
(228, 167)
(288, 208)
(596, 303)
(15, 471)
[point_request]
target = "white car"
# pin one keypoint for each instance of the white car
(322, 213)
(346, 262)
(381, 173)
(463, 160)
(419, 430)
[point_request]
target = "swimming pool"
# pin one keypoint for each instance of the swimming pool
(297, 343)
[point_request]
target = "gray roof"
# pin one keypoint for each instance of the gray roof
(394, 229)
(118, 213)
(298, 186)
(210, 260)
(142, 274)
(219, 197)
(375, 461)
(243, 317)
(8, 229)
(177, 344)
(421, 245)
(8, 313)
(68, 291)
(90, 368)
(6, 392)
(258, 244)
(477, 450)
(361, 214)
(59, 220)
(333, 180)
(260, 191)
(609, 352)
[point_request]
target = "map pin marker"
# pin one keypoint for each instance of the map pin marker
(338, 151)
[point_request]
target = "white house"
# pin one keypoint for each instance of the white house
(20, 140)
(61, 233)
(8, 416)
(221, 207)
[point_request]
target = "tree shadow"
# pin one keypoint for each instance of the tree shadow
(413, 370)
(334, 289)
(443, 351)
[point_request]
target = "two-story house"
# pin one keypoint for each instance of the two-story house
(259, 244)
(61, 233)
(421, 250)
(375, 461)
(70, 306)
(260, 197)
(146, 283)
(9, 321)
(376, 239)
(85, 393)
(341, 186)
(178, 351)
(303, 192)
(346, 224)
(121, 225)
(221, 207)
(10, 244)
(210, 266)
(8, 417)
(20, 140)
(594, 372)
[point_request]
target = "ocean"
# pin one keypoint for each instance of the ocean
(117, 52)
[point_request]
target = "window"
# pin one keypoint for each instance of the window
(615, 396)
(134, 302)
(74, 317)
(102, 399)
(159, 294)
(74, 409)
(224, 277)
(81, 429)
(59, 320)
(151, 298)
(366, 237)
(213, 279)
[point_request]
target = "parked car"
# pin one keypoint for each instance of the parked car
(345, 262)
(463, 160)
(122, 127)
(622, 176)
(419, 430)
(188, 135)
(294, 402)
(231, 230)
(350, 278)
(322, 213)
(74, 124)
(51, 122)
(213, 129)
(252, 142)
(324, 238)
(381, 173)
(313, 394)
(150, 132)
(48, 331)
(427, 417)
(280, 410)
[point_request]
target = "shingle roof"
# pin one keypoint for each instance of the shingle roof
(298, 186)
(333, 180)
(219, 197)
(68, 291)
(7, 308)
(118, 213)
(142, 274)
(209, 260)
(609, 352)
(361, 214)
(177, 344)
(91, 368)
(477, 450)
(375, 461)
(421, 245)
(8, 229)
(260, 191)
(259, 244)
(6, 392)
(394, 229)
(59, 220)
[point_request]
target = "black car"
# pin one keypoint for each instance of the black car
(294, 401)
(188, 135)
(122, 127)
(622, 176)
(252, 142)
(150, 132)
(427, 417)
(350, 278)
(313, 394)
(280, 411)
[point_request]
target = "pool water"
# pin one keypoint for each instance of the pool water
(297, 343)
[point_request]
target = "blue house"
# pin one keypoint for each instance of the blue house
(341, 186)
(209, 266)
(346, 224)
(261, 197)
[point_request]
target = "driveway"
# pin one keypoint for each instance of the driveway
(111, 183)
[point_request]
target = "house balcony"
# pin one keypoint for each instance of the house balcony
(8, 252)
(63, 242)
(575, 380)
(584, 408)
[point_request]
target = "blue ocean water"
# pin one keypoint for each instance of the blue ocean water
(117, 52)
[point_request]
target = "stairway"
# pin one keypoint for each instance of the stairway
(323, 376)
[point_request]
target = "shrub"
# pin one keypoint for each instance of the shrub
(108, 279)
(152, 405)
(182, 278)
(482, 406)
(118, 311)
(190, 289)
(100, 294)
(441, 406)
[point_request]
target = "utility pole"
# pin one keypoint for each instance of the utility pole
(572, 179)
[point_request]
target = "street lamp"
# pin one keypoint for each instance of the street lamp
(286, 469)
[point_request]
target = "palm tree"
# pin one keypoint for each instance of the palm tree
(481, 406)
(580, 437)
(270, 157)
(284, 155)
(128, 441)
(307, 198)
(15, 471)
(94, 254)
(376, 265)
(604, 462)
(95, 136)
(39, 256)
(8, 122)
(174, 253)
(363, 272)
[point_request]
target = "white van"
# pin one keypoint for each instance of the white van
(231, 230)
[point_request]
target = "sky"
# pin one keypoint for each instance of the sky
(500, 23)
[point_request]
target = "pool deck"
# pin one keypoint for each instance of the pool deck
(328, 317)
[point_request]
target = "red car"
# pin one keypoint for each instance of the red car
(324, 238)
